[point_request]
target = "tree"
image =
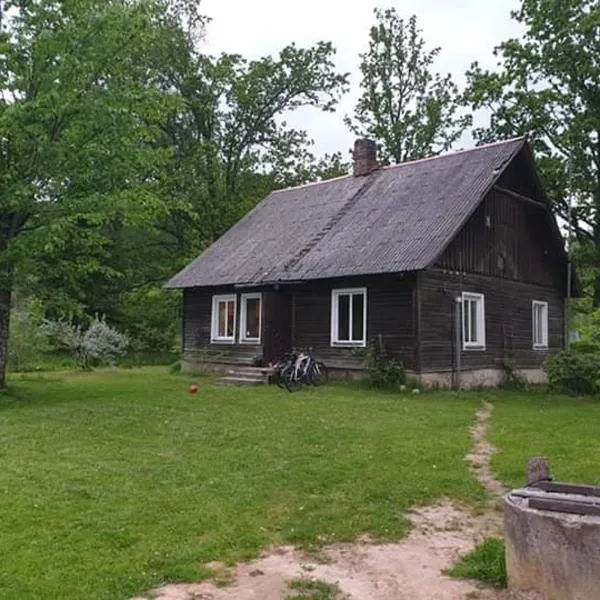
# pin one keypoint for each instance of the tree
(411, 111)
(80, 108)
(547, 87)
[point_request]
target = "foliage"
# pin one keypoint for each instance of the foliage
(96, 345)
(574, 372)
(313, 589)
(512, 379)
(89, 448)
(411, 111)
(485, 563)
(547, 87)
(384, 371)
(81, 110)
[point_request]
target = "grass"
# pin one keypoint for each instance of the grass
(565, 429)
(309, 589)
(115, 482)
(485, 563)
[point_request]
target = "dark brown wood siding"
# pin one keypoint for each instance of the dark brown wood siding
(389, 313)
(508, 321)
(509, 239)
(197, 303)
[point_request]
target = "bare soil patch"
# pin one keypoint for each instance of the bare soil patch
(409, 570)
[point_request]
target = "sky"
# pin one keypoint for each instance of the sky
(466, 30)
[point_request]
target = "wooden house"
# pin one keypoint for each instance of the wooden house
(456, 262)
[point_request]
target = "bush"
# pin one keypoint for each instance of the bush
(486, 563)
(574, 372)
(384, 371)
(98, 344)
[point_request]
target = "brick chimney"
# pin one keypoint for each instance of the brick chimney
(365, 157)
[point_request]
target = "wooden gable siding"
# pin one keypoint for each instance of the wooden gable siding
(508, 321)
(389, 313)
(509, 239)
(197, 311)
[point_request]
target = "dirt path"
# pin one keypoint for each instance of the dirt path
(409, 570)
(481, 453)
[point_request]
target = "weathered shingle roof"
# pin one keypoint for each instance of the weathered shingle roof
(397, 219)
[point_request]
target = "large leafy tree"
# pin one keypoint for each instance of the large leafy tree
(547, 86)
(81, 105)
(408, 108)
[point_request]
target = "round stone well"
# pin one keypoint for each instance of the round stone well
(552, 536)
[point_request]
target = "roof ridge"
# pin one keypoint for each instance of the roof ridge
(454, 153)
(333, 220)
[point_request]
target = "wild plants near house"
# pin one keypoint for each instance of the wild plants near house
(384, 371)
(574, 372)
(98, 344)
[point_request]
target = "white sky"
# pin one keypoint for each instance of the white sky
(466, 30)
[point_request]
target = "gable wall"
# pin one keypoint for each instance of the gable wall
(509, 239)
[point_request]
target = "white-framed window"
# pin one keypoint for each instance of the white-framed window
(250, 318)
(539, 321)
(349, 317)
(473, 321)
(224, 309)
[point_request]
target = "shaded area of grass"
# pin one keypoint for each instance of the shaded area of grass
(565, 429)
(115, 482)
(309, 589)
(485, 563)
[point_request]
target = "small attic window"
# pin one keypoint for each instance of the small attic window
(488, 221)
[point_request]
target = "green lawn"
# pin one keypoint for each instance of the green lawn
(112, 483)
(566, 430)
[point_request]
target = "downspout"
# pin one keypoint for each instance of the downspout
(457, 341)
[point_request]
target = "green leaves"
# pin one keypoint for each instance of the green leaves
(411, 111)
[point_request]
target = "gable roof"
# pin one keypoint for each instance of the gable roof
(399, 218)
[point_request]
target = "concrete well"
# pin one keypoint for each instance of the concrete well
(554, 553)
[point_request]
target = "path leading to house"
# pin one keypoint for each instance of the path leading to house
(481, 454)
(409, 570)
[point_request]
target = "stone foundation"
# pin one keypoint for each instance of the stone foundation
(478, 378)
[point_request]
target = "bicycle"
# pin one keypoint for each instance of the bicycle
(296, 369)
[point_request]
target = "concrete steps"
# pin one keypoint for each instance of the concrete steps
(245, 376)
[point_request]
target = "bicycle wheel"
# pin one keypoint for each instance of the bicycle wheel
(319, 374)
(291, 380)
(283, 374)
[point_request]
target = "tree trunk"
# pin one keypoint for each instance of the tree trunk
(4, 327)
